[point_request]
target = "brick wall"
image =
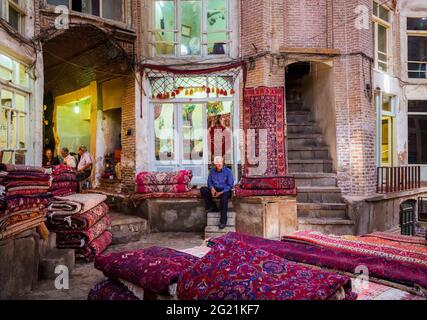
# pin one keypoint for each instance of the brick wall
(128, 141)
(267, 25)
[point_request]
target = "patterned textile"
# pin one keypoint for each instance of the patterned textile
(376, 291)
(23, 183)
(26, 204)
(27, 192)
(167, 188)
(233, 270)
(399, 274)
(162, 178)
(61, 169)
(110, 290)
(20, 168)
(267, 183)
(65, 177)
(152, 269)
(243, 193)
(80, 221)
(397, 238)
(19, 217)
(75, 239)
(90, 251)
(18, 228)
(264, 109)
(12, 176)
(75, 203)
(381, 242)
(136, 198)
(64, 192)
(360, 246)
(64, 184)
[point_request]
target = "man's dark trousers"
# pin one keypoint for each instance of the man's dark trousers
(223, 200)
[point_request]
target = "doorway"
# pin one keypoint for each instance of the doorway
(187, 136)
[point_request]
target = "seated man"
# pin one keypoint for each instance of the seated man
(69, 160)
(84, 168)
(220, 185)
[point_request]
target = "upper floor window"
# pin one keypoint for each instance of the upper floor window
(382, 40)
(417, 47)
(190, 27)
(107, 9)
(13, 12)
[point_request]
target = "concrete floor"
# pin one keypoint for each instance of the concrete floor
(85, 276)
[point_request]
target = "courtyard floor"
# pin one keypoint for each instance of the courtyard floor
(85, 276)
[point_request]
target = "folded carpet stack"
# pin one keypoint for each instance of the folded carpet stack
(64, 182)
(81, 222)
(265, 186)
(24, 200)
(230, 271)
(164, 182)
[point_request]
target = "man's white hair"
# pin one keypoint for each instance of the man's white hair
(218, 160)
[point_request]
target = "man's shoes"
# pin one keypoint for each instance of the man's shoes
(222, 226)
(212, 210)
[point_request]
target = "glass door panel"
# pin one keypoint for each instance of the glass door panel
(220, 136)
(164, 133)
(386, 141)
(192, 132)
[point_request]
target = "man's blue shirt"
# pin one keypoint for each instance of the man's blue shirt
(222, 180)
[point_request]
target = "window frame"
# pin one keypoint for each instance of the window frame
(380, 113)
(25, 91)
(178, 33)
(414, 33)
(376, 21)
(415, 114)
(124, 11)
(4, 11)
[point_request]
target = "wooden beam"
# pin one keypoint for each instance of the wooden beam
(319, 51)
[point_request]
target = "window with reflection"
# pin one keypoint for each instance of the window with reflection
(14, 88)
(190, 27)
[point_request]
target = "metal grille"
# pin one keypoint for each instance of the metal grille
(407, 219)
(422, 209)
(167, 83)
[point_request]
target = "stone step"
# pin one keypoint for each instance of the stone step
(314, 179)
(214, 231)
(214, 217)
(302, 128)
(126, 228)
(308, 153)
(298, 117)
(327, 226)
(305, 140)
(54, 258)
(322, 210)
(319, 195)
(317, 166)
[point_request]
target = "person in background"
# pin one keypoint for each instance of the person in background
(69, 160)
(49, 159)
(220, 186)
(84, 168)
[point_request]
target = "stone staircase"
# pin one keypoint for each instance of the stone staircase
(319, 201)
(212, 230)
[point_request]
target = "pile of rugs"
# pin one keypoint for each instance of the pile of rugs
(230, 271)
(304, 265)
(24, 199)
(64, 181)
(265, 186)
(81, 222)
(164, 182)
